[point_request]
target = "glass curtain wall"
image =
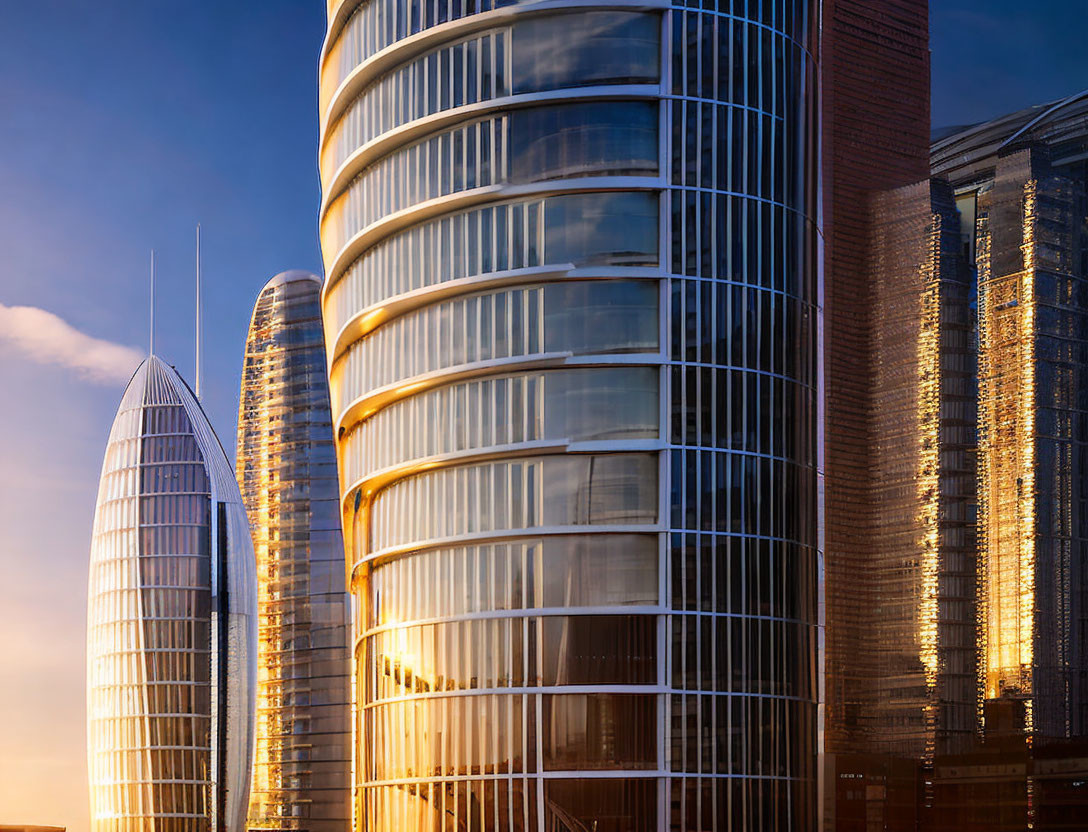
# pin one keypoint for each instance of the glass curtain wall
(287, 473)
(170, 622)
(571, 328)
(1032, 393)
(1022, 185)
(743, 355)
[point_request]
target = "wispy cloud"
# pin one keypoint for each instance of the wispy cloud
(48, 339)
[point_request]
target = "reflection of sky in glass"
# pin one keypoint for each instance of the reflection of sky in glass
(99, 163)
(467, 507)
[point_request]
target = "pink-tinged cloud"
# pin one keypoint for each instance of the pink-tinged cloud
(48, 339)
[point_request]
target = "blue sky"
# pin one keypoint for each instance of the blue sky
(996, 56)
(122, 124)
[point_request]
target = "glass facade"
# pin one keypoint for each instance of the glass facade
(922, 700)
(287, 474)
(1023, 180)
(572, 328)
(875, 125)
(171, 629)
(1032, 329)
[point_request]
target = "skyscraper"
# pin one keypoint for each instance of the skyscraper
(908, 692)
(287, 473)
(571, 313)
(899, 428)
(1021, 184)
(171, 626)
(922, 623)
(876, 138)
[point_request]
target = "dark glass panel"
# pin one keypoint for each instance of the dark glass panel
(599, 570)
(602, 805)
(587, 229)
(592, 139)
(601, 316)
(599, 731)
(603, 48)
(600, 649)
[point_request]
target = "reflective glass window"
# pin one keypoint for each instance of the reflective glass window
(585, 139)
(603, 316)
(581, 229)
(612, 489)
(627, 805)
(578, 405)
(530, 145)
(607, 47)
(451, 736)
(599, 731)
(554, 571)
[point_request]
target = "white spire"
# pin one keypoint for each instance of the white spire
(198, 328)
(151, 339)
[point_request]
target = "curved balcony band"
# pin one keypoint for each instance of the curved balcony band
(570, 321)
(568, 140)
(356, 242)
(517, 239)
(471, 65)
(560, 405)
(580, 318)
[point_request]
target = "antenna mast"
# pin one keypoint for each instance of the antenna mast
(151, 338)
(198, 328)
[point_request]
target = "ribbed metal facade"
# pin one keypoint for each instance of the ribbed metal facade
(171, 624)
(571, 313)
(287, 474)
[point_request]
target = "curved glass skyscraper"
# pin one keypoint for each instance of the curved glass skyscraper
(287, 473)
(571, 315)
(171, 625)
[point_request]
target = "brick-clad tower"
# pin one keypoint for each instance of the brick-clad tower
(876, 138)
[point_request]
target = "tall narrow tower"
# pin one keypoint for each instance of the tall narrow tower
(899, 427)
(876, 136)
(571, 316)
(287, 473)
(171, 626)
